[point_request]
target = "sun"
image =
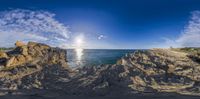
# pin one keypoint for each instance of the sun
(79, 41)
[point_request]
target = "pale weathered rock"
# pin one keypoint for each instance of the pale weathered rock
(21, 59)
(35, 51)
(28, 58)
(31, 44)
(11, 61)
(19, 44)
(3, 55)
(24, 50)
(138, 81)
(121, 62)
(171, 68)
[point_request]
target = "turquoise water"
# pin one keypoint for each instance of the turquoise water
(92, 57)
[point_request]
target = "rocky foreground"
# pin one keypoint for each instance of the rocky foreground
(37, 70)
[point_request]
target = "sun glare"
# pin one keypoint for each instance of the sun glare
(79, 42)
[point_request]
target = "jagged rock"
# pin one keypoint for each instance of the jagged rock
(3, 55)
(24, 50)
(19, 44)
(156, 70)
(3, 58)
(138, 81)
(138, 84)
(17, 60)
(34, 60)
(11, 61)
(39, 66)
(35, 51)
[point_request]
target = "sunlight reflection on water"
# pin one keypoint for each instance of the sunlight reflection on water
(79, 54)
(93, 57)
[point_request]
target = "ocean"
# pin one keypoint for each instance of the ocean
(94, 57)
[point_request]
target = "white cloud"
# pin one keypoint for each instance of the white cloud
(8, 38)
(28, 25)
(101, 37)
(190, 37)
(191, 34)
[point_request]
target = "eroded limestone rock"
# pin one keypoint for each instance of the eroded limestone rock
(19, 44)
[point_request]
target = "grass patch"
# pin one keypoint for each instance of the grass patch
(4, 48)
(190, 50)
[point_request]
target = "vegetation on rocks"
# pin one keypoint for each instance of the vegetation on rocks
(3, 48)
(193, 52)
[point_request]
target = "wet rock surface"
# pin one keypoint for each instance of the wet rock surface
(39, 67)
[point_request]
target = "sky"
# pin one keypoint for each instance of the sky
(101, 24)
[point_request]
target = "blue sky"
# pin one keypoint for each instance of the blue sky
(127, 24)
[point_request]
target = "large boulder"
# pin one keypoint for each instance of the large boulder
(33, 51)
(19, 44)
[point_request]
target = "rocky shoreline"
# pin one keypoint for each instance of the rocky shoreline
(149, 73)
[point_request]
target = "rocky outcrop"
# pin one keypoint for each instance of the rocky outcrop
(19, 44)
(156, 70)
(34, 52)
(39, 66)
(29, 65)
(162, 70)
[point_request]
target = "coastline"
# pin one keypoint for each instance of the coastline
(38, 70)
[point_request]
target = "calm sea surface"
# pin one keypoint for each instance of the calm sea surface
(91, 57)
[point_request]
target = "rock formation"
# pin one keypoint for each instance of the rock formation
(19, 44)
(39, 66)
(26, 65)
(156, 70)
